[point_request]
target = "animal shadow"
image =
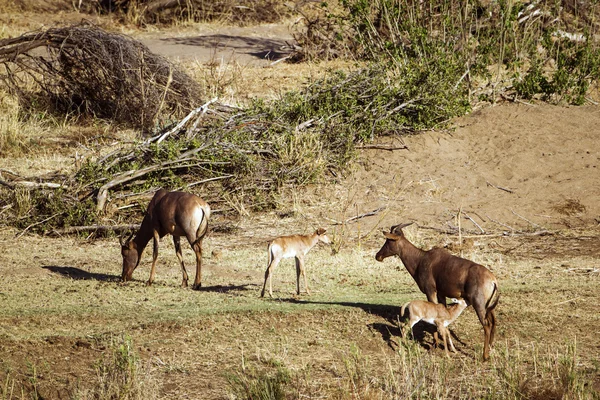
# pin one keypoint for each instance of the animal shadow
(422, 333)
(226, 288)
(80, 274)
(391, 330)
(387, 312)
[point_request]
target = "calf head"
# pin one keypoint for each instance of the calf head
(322, 236)
(130, 258)
(391, 247)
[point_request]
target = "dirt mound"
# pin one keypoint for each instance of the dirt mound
(510, 167)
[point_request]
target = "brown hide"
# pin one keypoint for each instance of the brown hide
(440, 274)
(175, 213)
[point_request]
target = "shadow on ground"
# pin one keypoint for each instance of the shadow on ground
(227, 288)
(393, 331)
(80, 274)
(262, 48)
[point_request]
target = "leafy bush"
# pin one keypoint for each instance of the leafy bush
(547, 46)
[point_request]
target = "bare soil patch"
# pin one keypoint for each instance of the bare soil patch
(506, 168)
(256, 46)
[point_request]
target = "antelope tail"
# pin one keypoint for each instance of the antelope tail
(403, 309)
(203, 228)
(270, 257)
(494, 298)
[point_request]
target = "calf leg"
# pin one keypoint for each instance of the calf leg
(300, 270)
(444, 332)
(177, 243)
(268, 275)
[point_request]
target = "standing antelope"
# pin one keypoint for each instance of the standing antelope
(292, 246)
(175, 213)
(435, 314)
(439, 274)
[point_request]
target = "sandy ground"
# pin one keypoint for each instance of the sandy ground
(507, 168)
(255, 46)
(510, 167)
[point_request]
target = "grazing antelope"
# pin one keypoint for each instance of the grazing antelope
(175, 213)
(435, 314)
(439, 274)
(292, 246)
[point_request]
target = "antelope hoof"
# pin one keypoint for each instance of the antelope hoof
(197, 286)
(149, 283)
(184, 284)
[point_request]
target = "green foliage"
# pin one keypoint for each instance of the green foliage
(577, 65)
(470, 37)
(45, 209)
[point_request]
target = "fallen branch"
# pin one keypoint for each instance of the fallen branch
(473, 221)
(500, 223)
(499, 187)
(381, 147)
(95, 228)
(200, 110)
(131, 175)
(37, 223)
(367, 214)
(525, 219)
(29, 184)
(280, 60)
(440, 230)
(567, 301)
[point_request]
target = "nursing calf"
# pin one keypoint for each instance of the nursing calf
(439, 275)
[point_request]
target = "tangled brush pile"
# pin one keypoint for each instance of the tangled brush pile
(84, 70)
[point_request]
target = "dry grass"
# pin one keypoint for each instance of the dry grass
(236, 83)
(64, 311)
(342, 342)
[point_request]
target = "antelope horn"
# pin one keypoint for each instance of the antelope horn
(126, 241)
(398, 228)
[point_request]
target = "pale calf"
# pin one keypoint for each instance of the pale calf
(439, 315)
(292, 246)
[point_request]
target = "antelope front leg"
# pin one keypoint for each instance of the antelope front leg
(154, 257)
(452, 348)
(198, 250)
(445, 335)
(177, 243)
(300, 264)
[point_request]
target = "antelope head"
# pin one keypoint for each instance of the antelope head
(130, 257)
(391, 247)
(322, 236)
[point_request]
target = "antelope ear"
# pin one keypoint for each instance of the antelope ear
(391, 236)
(321, 231)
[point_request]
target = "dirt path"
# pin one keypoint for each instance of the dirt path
(255, 46)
